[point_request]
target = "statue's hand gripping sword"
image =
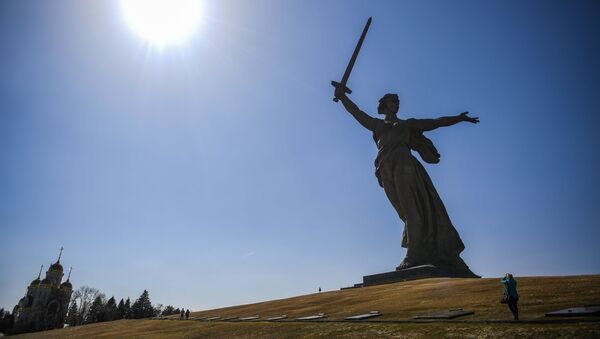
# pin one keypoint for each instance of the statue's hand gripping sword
(351, 63)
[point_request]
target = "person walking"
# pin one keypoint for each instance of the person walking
(187, 314)
(182, 314)
(510, 297)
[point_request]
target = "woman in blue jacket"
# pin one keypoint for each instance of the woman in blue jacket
(511, 295)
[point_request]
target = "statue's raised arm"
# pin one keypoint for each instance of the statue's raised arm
(363, 118)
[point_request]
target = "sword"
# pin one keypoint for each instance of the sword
(351, 63)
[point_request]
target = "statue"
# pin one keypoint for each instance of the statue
(429, 236)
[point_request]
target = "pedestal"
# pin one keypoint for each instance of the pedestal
(414, 273)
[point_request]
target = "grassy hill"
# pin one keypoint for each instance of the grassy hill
(399, 301)
(538, 295)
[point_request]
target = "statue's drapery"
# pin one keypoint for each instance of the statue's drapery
(429, 236)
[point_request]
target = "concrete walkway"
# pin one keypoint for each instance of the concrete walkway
(408, 321)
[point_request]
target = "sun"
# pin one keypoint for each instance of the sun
(163, 22)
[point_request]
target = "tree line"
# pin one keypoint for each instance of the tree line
(89, 305)
(6, 320)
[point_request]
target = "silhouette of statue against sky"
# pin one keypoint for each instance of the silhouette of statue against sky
(429, 236)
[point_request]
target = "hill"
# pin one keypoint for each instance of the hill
(397, 302)
(538, 295)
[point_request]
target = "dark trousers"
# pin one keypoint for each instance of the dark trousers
(512, 305)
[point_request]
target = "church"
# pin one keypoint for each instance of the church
(46, 301)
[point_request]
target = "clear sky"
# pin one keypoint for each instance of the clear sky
(220, 172)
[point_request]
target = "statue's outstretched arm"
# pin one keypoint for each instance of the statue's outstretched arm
(431, 124)
(363, 118)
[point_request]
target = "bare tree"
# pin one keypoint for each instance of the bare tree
(85, 296)
(158, 309)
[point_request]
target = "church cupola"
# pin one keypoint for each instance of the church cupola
(67, 284)
(57, 266)
(55, 272)
(37, 280)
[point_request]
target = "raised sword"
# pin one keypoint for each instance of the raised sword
(351, 63)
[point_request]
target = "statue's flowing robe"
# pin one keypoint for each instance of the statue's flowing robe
(429, 236)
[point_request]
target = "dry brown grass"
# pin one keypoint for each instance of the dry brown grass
(398, 301)
(197, 329)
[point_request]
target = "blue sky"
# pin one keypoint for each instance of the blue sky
(220, 171)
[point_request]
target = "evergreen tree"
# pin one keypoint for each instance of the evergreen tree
(6, 320)
(96, 313)
(72, 316)
(136, 311)
(142, 307)
(111, 312)
(121, 309)
(127, 309)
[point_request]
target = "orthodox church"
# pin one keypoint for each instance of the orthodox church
(46, 301)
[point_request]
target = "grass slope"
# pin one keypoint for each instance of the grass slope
(398, 301)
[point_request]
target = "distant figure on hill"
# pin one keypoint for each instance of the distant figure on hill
(187, 314)
(511, 297)
(319, 290)
(182, 314)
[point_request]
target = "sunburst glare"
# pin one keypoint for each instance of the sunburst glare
(163, 22)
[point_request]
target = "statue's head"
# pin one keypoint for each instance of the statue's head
(389, 103)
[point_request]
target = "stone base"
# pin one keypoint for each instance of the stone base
(414, 273)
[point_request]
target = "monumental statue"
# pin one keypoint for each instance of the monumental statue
(429, 237)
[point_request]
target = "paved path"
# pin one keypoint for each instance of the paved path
(408, 321)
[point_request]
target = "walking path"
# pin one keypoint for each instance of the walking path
(409, 321)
